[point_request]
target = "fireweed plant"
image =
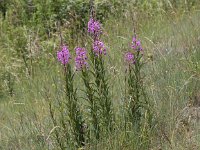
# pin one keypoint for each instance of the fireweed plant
(82, 66)
(137, 103)
(101, 117)
(133, 59)
(71, 104)
(97, 53)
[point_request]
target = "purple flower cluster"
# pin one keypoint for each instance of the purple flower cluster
(94, 27)
(129, 57)
(136, 45)
(81, 58)
(63, 55)
(99, 48)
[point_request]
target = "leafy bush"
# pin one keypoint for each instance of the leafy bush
(45, 14)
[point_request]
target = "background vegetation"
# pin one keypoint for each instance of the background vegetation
(29, 73)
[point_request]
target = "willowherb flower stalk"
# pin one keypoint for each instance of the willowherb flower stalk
(139, 109)
(71, 105)
(82, 65)
(81, 58)
(93, 103)
(101, 81)
(135, 87)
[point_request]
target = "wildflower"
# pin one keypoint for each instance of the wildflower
(136, 45)
(129, 57)
(99, 48)
(81, 58)
(63, 55)
(94, 27)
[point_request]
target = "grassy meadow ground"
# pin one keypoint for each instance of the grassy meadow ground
(171, 42)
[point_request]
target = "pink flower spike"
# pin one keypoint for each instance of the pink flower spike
(63, 55)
